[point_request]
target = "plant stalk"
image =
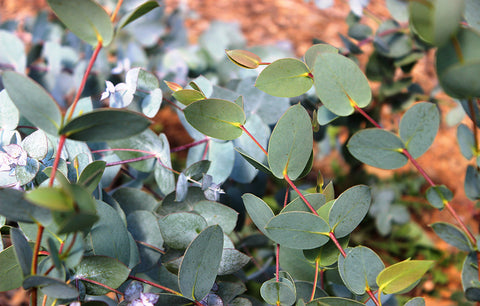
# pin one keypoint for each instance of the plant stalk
(300, 194)
(253, 138)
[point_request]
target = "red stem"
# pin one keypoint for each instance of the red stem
(364, 114)
(461, 223)
(187, 146)
(419, 168)
(373, 297)
(285, 201)
(300, 194)
(277, 264)
(154, 285)
(253, 138)
(337, 244)
(100, 284)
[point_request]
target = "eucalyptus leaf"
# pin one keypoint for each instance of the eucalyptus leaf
(179, 229)
(290, 143)
(23, 251)
(278, 293)
(339, 83)
(13, 51)
(138, 12)
(438, 196)
(11, 276)
(285, 78)
(9, 116)
(87, 19)
(419, 126)
(453, 236)
(258, 210)
(349, 210)
(101, 269)
(378, 148)
(466, 141)
(216, 213)
(401, 275)
(200, 263)
(216, 118)
(33, 102)
(104, 125)
(298, 230)
(15, 207)
(51, 287)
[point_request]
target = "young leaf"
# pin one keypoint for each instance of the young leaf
(419, 127)
(401, 275)
(200, 263)
(53, 198)
(243, 58)
(290, 144)
(377, 148)
(453, 236)
(216, 118)
(86, 19)
(349, 210)
(339, 82)
(359, 269)
(101, 269)
(278, 293)
(466, 141)
(188, 96)
(105, 124)
(286, 77)
(298, 230)
(33, 102)
(258, 210)
(91, 175)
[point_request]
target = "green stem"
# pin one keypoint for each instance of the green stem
(300, 194)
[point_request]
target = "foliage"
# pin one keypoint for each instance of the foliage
(89, 195)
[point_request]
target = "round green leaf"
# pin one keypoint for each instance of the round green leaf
(52, 198)
(102, 269)
(453, 236)
(51, 287)
(92, 175)
(200, 263)
(36, 144)
(402, 275)
(435, 21)
(105, 124)
(438, 196)
(9, 116)
(188, 96)
(216, 118)
(466, 141)
(339, 82)
(349, 210)
(281, 292)
(33, 102)
(459, 76)
(470, 276)
(378, 148)
(179, 229)
(298, 230)
(315, 50)
(216, 213)
(286, 77)
(137, 13)
(419, 126)
(152, 102)
(359, 269)
(232, 261)
(291, 143)
(86, 19)
(472, 183)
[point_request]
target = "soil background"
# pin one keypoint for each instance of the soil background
(265, 22)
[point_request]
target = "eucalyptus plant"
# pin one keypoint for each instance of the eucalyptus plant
(93, 204)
